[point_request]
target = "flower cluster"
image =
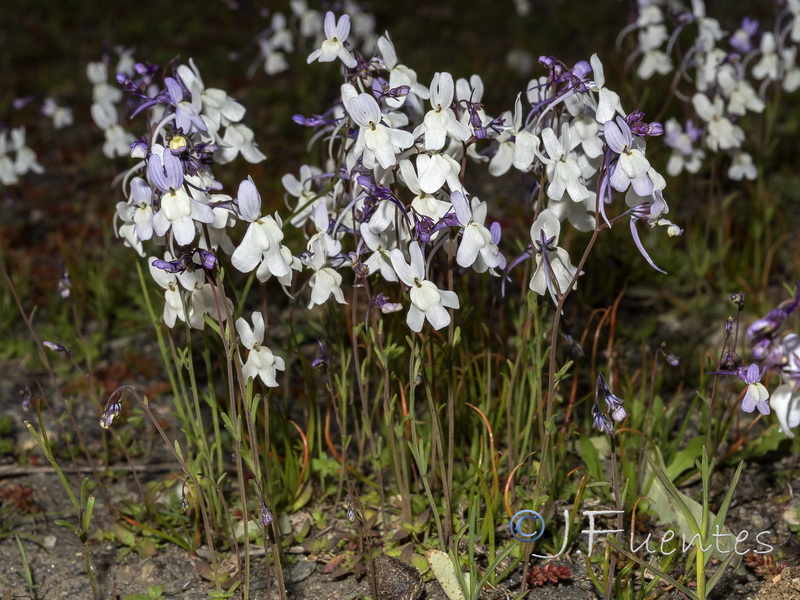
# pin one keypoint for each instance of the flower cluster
(105, 99)
(780, 351)
(732, 74)
(389, 210)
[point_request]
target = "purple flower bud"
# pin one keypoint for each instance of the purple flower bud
(110, 413)
(140, 148)
(601, 422)
(547, 61)
(266, 515)
(56, 347)
(173, 266)
(322, 359)
(613, 403)
(208, 259)
(386, 307)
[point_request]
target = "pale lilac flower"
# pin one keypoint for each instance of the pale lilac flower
(632, 167)
(261, 362)
(756, 395)
(742, 38)
(684, 154)
(178, 210)
(333, 46)
(427, 301)
(187, 112)
(140, 202)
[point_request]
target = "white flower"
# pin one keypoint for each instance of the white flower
(333, 47)
(380, 244)
(261, 244)
(768, 65)
(400, 75)
(608, 103)
(563, 172)
(203, 299)
(238, 138)
(423, 203)
(325, 282)
(217, 108)
(516, 145)
(97, 73)
(722, 134)
(26, 157)
(785, 402)
(140, 201)
(477, 239)
(7, 174)
(61, 116)
(552, 262)
(742, 167)
(376, 141)
(303, 190)
(441, 121)
(118, 141)
(261, 362)
(427, 301)
(174, 307)
(632, 167)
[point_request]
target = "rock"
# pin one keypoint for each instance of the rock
(785, 586)
(394, 579)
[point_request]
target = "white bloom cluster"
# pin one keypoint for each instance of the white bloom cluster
(106, 96)
(732, 76)
(389, 205)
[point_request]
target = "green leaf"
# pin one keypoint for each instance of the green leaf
(64, 523)
(685, 459)
(591, 458)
